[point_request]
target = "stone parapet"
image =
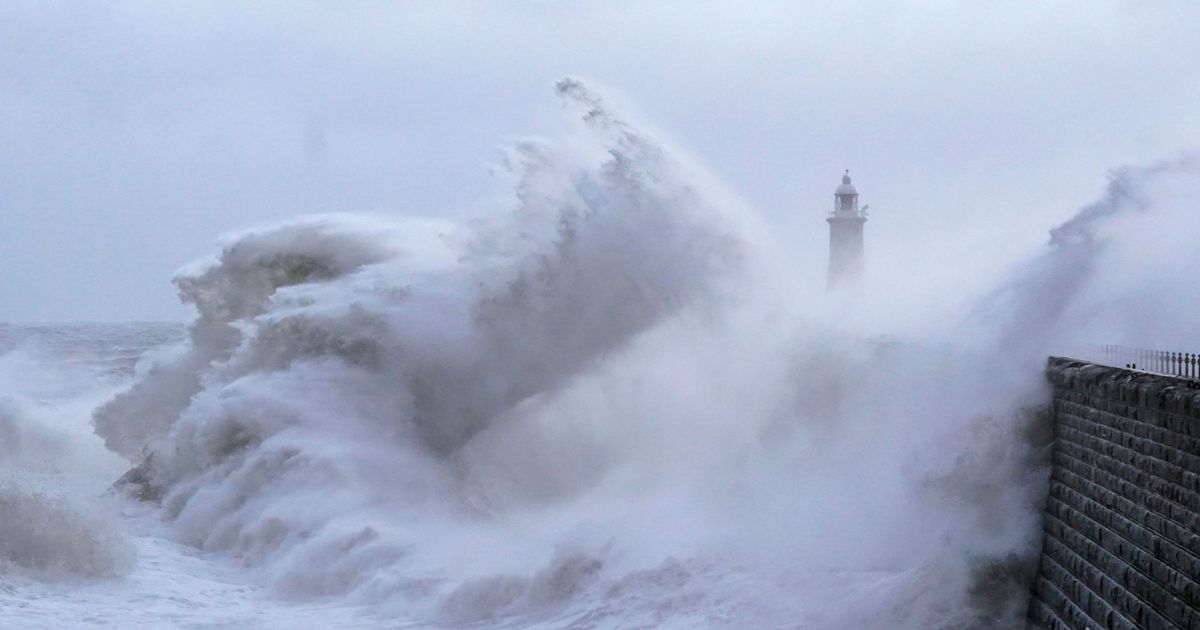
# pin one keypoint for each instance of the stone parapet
(1122, 520)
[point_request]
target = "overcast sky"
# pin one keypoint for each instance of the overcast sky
(132, 134)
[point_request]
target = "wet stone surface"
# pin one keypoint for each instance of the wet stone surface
(1122, 520)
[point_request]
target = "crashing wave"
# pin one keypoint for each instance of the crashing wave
(49, 536)
(344, 362)
(589, 404)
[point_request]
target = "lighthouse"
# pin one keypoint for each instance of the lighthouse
(845, 235)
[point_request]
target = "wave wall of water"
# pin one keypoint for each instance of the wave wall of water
(607, 407)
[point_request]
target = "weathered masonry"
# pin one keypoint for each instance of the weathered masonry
(1122, 521)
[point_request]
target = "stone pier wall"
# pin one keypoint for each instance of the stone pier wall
(1122, 522)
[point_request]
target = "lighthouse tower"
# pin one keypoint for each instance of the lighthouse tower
(845, 234)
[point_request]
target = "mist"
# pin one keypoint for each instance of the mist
(134, 134)
(486, 315)
(611, 378)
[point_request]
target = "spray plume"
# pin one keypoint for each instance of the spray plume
(599, 408)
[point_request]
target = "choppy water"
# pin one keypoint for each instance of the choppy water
(107, 352)
(72, 553)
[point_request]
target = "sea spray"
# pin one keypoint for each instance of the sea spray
(600, 408)
(52, 535)
(320, 415)
(55, 521)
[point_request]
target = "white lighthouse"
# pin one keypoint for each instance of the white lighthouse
(845, 234)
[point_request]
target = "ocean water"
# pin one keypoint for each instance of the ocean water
(603, 405)
(76, 554)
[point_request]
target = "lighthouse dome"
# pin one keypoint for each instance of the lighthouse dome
(846, 188)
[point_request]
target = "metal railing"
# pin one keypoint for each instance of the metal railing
(1181, 364)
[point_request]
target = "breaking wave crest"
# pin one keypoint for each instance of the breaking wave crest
(48, 536)
(53, 526)
(598, 405)
(340, 365)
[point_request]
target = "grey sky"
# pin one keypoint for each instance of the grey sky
(134, 133)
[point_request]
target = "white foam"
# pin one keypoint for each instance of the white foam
(602, 407)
